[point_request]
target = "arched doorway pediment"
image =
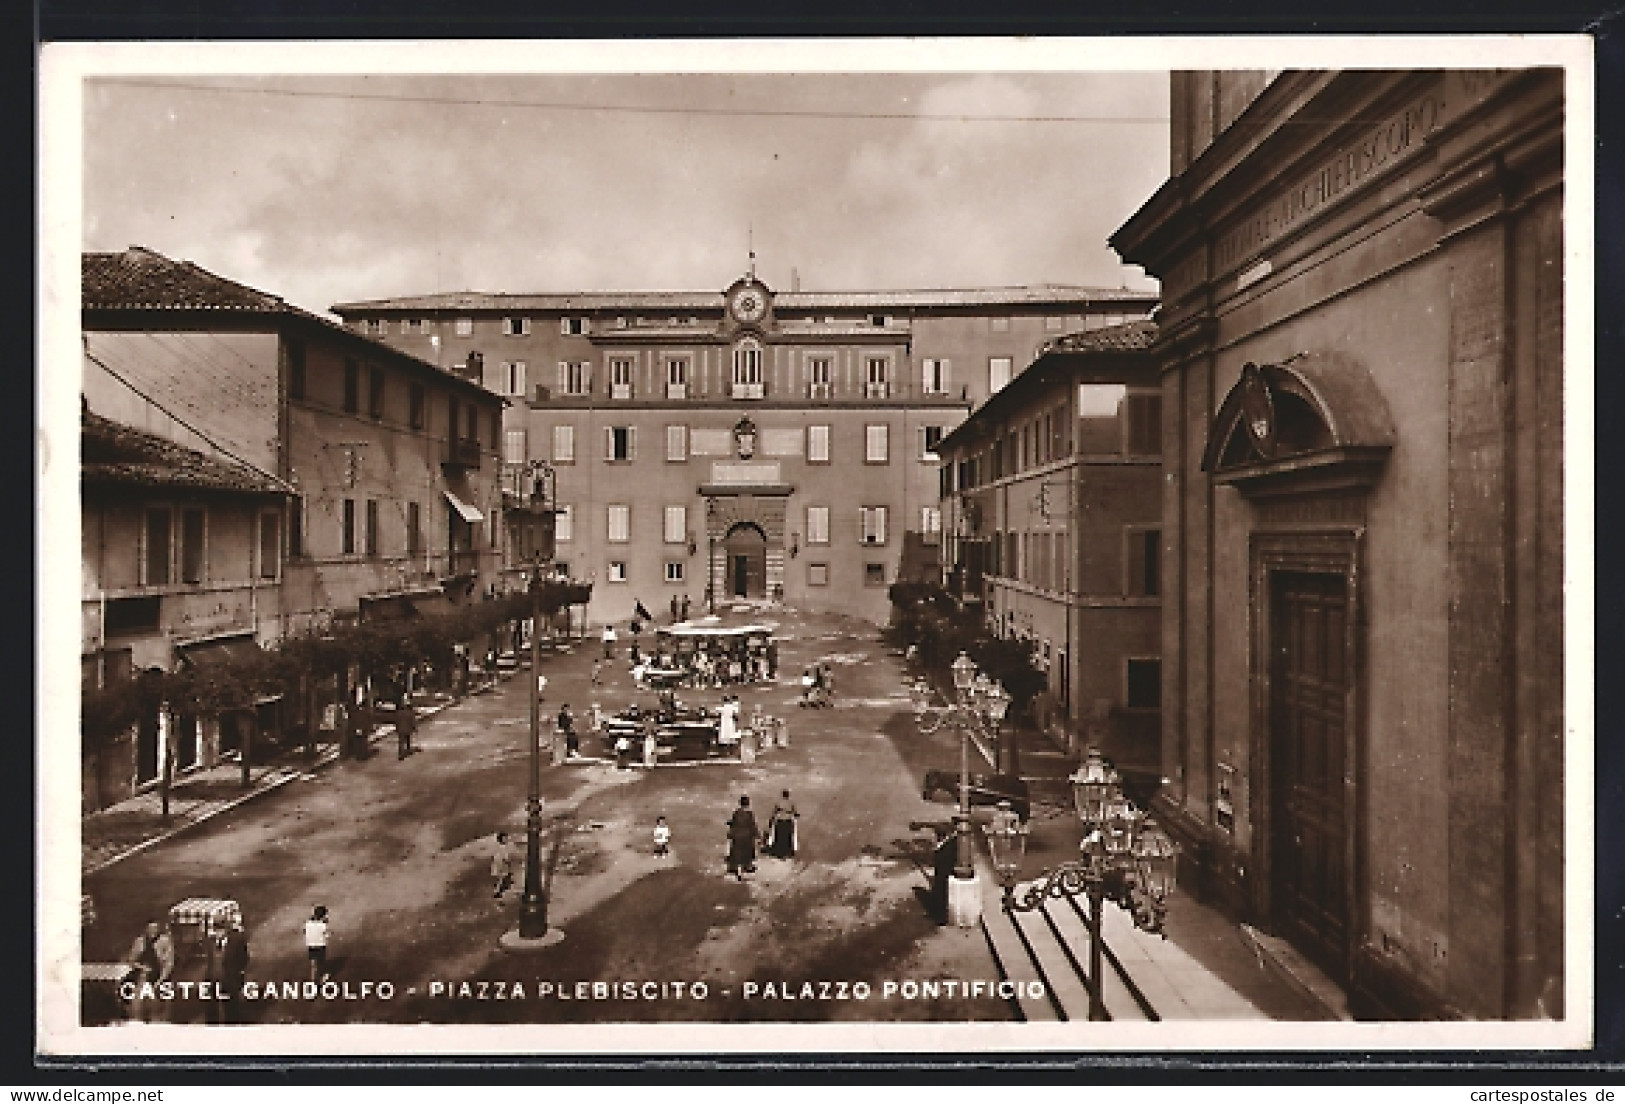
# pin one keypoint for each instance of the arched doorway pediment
(1315, 421)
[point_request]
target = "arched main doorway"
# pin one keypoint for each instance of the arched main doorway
(745, 561)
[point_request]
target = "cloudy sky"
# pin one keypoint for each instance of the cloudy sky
(325, 189)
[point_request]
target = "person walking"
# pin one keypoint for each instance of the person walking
(662, 838)
(318, 932)
(567, 726)
(742, 835)
(406, 726)
(674, 609)
(501, 865)
(781, 828)
(684, 608)
(153, 956)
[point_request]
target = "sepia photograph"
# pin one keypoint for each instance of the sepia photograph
(933, 546)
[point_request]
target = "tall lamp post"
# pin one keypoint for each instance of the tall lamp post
(533, 929)
(979, 705)
(1124, 857)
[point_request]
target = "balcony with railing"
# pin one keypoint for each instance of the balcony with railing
(463, 452)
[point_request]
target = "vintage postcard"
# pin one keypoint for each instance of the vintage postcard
(739, 547)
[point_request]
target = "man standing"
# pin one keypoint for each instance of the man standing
(317, 933)
(228, 969)
(674, 609)
(742, 840)
(406, 725)
(683, 609)
(609, 641)
(153, 955)
(567, 725)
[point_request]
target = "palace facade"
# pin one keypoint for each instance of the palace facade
(741, 443)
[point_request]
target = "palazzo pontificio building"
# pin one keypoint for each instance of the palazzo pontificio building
(743, 443)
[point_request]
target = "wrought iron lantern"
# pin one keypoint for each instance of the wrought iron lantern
(964, 669)
(1092, 784)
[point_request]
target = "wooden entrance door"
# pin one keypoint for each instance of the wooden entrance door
(746, 548)
(1309, 684)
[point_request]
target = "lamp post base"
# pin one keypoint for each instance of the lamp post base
(964, 901)
(513, 941)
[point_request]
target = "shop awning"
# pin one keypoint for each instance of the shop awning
(220, 651)
(464, 510)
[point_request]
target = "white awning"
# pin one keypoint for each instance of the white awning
(464, 510)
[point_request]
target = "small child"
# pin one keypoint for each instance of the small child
(662, 838)
(317, 933)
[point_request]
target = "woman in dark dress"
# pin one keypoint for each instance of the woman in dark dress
(742, 834)
(781, 829)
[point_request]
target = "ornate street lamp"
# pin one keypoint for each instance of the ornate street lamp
(533, 929)
(978, 704)
(1124, 857)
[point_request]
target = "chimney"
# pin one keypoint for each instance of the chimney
(795, 280)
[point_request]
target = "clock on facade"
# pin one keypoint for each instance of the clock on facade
(748, 303)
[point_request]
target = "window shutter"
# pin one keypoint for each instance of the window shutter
(631, 442)
(564, 378)
(609, 442)
(564, 326)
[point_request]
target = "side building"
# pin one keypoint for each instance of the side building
(1363, 592)
(1052, 525)
(742, 443)
(180, 553)
(392, 462)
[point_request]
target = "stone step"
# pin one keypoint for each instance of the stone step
(1015, 964)
(1064, 977)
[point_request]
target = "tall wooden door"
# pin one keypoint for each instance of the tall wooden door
(746, 547)
(1309, 684)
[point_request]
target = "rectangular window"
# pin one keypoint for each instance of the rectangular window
(676, 524)
(296, 369)
(877, 378)
(516, 327)
(296, 527)
(464, 327)
(375, 393)
(158, 544)
(416, 406)
(818, 378)
(352, 387)
(876, 444)
(674, 571)
(617, 571)
(1144, 424)
(818, 525)
(513, 446)
(620, 378)
(930, 438)
(676, 443)
(1055, 323)
(934, 377)
(818, 444)
(414, 529)
(347, 534)
(372, 527)
(1144, 555)
(270, 545)
(998, 373)
(1144, 679)
(572, 326)
(191, 546)
(677, 378)
(999, 325)
(378, 327)
(818, 574)
(620, 442)
(575, 377)
(872, 524)
(564, 444)
(564, 523)
(472, 426)
(620, 524)
(513, 378)
(874, 574)
(931, 523)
